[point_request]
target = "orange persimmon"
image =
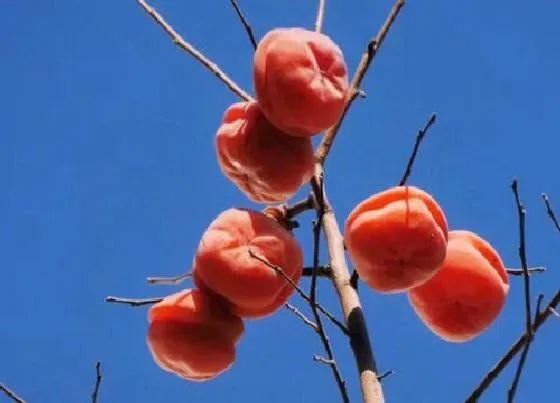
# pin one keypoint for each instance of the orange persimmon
(467, 294)
(224, 266)
(265, 163)
(396, 238)
(193, 335)
(301, 80)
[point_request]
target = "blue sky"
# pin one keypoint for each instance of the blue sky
(108, 175)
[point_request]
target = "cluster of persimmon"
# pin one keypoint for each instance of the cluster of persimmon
(399, 241)
(264, 147)
(193, 333)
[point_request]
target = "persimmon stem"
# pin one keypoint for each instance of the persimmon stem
(190, 49)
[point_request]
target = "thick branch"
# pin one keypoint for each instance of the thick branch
(349, 300)
(514, 350)
(353, 91)
(179, 41)
(11, 394)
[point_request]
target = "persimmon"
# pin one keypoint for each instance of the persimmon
(465, 297)
(301, 80)
(193, 335)
(224, 266)
(265, 163)
(397, 238)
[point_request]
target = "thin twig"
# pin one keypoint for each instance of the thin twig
(300, 315)
(133, 302)
(179, 41)
(419, 137)
(523, 254)
(528, 313)
(554, 312)
(326, 361)
(300, 292)
(550, 212)
(385, 375)
(300, 207)
(353, 91)
(320, 16)
(245, 23)
(513, 351)
(169, 280)
(98, 378)
(11, 394)
(317, 224)
(531, 270)
(322, 271)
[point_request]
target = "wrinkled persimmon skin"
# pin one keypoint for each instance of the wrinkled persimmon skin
(301, 80)
(193, 335)
(223, 265)
(465, 297)
(396, 239)
(265, 163)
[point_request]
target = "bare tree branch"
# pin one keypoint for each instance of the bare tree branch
(523, 254)
(301, 293)
(317, 224)
(320, 16)
(300, 207)
(514, 350)
(245, 23)
(528, 313)
(550, 212)
(11, 394)
(179, 41)
(385, 375)
(133, 302)
(300, 315)
(169, 280)
(98, 378)
(531, 270)
(322, 271)
(367, 58)
(419, 137)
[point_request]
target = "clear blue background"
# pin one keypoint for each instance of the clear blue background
(108, 175)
